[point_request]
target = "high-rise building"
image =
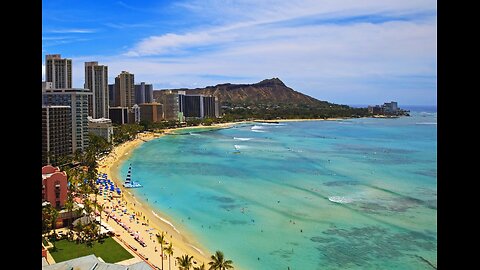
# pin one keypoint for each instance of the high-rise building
(111, 95)
(210, 107)
(149, 93)
(101, 127)
(170, 105)
(151, 112)
(143, 93)
(198, 106)
(56, 133)
(124, 87)
(119, 115)
(96, 80)
(58, 71)
(191, 105)
(77, 99)
(178, 105)
(390, 107)
(140, 93)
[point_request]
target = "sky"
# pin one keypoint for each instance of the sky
(342, 51)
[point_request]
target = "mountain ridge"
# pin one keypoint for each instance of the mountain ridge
(271, 91)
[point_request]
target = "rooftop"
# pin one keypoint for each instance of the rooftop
(99, 120)
(90, 262)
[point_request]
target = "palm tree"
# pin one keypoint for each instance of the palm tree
(201, 267)
(161, 241)
(78, 227)
(219, 263)
(184, 262)
(169, 251)
(54, 215)
(100, 209)
(46, 219)
(69, 207)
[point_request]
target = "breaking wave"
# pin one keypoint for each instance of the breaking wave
(241, 139)
(339, 199)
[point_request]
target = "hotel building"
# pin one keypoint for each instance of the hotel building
(101, 127)
(151, 112)
(119, 115)
(58, 70)
(124, 90)
(96, 80)
(143, 93)
(77, 99)
(56, 133)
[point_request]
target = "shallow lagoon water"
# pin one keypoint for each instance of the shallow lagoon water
(348, 194)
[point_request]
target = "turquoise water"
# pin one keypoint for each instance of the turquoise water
(350, 194)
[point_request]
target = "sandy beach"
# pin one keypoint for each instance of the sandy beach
(146, 223)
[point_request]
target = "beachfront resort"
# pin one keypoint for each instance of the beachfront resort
(128, 184)
(89, 217)
(82, 218)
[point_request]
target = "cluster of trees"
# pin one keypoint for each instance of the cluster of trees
(150, 126)
(293, 111)
(82, 172)
(127, 132)
(218, 261)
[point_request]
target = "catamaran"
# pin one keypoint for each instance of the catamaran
(129, 183)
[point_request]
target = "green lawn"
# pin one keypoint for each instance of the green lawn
(110, 251)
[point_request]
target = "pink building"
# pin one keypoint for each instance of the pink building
(54, 186)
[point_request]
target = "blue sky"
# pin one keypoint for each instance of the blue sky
(343, 51)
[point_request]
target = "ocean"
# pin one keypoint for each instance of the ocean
(348, 194)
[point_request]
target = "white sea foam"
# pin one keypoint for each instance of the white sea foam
(256, 127)
(194, 134)
(166, 221)
(339, 199)
(197, 249)
(257, 130)
(241, 139)
(238, 147)
(426, 123)
(272, 124)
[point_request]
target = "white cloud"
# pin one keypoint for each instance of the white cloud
(341, 62)
(71, 31)
(169, 43)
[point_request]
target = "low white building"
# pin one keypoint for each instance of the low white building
(101, 127)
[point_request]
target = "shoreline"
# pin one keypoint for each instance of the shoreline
(183, 241)
(156, 219)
